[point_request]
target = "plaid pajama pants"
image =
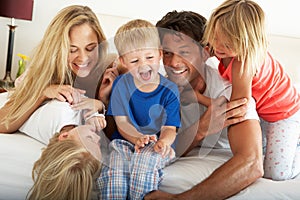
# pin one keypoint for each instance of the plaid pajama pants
(130, 175)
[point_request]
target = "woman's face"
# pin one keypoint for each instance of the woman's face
(84, 54)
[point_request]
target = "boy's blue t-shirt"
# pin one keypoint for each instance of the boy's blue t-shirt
(147, 112)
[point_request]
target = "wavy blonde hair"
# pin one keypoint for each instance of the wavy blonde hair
(136, 34)
(49, 63)
(243, 24)
(65, 170)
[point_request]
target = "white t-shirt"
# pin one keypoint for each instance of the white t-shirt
(216, 87)
(49, 119)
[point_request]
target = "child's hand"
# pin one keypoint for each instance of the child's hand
(90, 105)
(97, 121)
(164, 149)
(143, 140)
(109, 76)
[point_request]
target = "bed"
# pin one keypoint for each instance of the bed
(18, 152)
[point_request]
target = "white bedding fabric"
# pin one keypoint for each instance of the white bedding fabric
(188, 171)
(18, 152)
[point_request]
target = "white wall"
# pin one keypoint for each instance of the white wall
(284, 44)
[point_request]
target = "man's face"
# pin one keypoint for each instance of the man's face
(182, 58)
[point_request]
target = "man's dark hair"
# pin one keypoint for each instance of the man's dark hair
(190, 23)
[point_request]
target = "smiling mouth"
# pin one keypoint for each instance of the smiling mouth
(81, 66)
(179, 71)
(146, 75)
(219, 53)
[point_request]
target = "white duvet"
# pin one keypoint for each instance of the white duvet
(18, 152)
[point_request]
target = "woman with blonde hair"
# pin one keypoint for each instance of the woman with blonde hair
(59, 93)
(65, 65)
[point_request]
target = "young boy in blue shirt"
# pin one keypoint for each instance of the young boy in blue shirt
(146, 109)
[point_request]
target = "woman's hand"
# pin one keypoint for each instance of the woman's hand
(65, 93)
(90, 106)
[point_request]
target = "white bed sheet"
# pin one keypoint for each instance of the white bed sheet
(188, 171)
(18, 152)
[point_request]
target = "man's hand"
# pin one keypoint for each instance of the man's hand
(221, 114)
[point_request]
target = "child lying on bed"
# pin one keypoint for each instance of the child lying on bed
(68, 165)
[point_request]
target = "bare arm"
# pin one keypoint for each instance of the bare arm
(60, 92)
(126, 129)
(166, 139)
(247, 159)
(14, 126)
(229, 178)
(168, 134)
(241, 83)
(130, 133)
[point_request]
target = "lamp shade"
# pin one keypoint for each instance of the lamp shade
(19, 9)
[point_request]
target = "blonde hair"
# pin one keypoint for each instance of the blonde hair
(49, 63)
(65, 170)
(136, 34)
(243, 24)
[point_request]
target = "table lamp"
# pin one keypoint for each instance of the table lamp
(14, 9)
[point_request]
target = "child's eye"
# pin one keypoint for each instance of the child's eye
(150, 57)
